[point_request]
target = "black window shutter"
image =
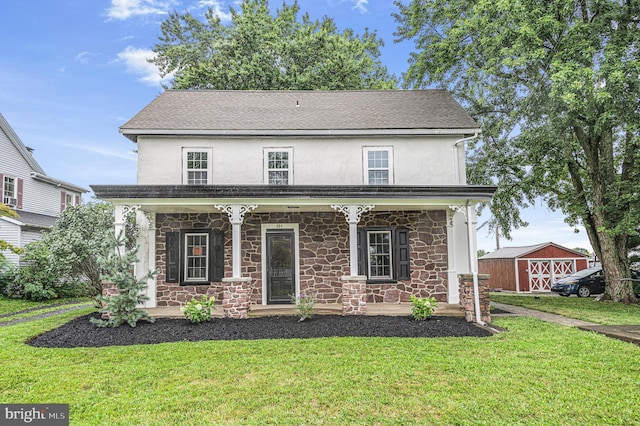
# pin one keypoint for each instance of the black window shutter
(172, 244)
(216, 255)
(362, 252)
(403, 270)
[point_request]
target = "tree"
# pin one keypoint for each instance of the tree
(123, 306)
(555, 86)
(258, 51)
(80, 235)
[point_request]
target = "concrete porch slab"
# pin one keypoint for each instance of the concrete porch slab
(396, 309)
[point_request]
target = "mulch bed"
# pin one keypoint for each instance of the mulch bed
(81, 333)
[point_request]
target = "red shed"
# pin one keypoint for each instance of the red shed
(530, 268)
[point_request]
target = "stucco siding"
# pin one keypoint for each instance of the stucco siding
(316, 161)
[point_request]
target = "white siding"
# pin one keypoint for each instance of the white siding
(10, 233)
(29, 236)
(317, 161)
(38, 197)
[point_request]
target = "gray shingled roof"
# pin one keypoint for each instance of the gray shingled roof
(36, 220)
(176, 110)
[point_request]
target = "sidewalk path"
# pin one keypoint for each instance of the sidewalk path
(61, 310)
(627, 333)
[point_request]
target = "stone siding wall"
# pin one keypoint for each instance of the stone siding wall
(323, 253)
(467, 297)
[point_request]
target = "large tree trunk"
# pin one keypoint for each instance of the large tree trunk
(616, 272)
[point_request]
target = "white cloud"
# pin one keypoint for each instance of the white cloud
(136, 62)
(124, 9)
(361, 5)
(85, 57)
(217, 9)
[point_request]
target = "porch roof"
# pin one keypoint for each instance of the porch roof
(302, 197)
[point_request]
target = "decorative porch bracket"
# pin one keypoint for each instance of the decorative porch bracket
(236, 214)
(352, 213)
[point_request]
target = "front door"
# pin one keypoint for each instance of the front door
(280, 266)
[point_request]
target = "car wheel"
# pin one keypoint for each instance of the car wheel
(584, 291)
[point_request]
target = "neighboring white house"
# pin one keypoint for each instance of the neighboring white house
(297, 192)
(37, 198)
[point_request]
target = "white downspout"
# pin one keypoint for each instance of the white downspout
(473, 263)
(456, 163)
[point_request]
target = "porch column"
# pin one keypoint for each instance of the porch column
(236, 214)
(146, 241)
(352, 213)
(119, 221)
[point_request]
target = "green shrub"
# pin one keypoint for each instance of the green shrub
(305, 305)
(198, 311)
(422, 308)
(7, 274)
(122, 307)
(33, 281)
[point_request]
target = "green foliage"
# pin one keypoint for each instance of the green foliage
(79, 236)
(7, 274)
(32, 280)
(260, 51)
(305, 305)
(198, 310)
(555, 88)
(123, 306)
(422, 308)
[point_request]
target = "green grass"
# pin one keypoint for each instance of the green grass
(587, 309)
(537, 373)
(10, 306)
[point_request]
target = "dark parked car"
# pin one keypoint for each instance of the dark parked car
(586, 282)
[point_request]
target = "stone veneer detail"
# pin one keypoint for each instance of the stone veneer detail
(323, 253)
(354, 295)
(236, 297)
(466, 297)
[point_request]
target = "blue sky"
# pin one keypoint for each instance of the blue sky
(73, 71)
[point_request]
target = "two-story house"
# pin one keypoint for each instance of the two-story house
(37, 198)
(356, 197)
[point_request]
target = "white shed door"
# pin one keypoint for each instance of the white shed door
(539, 275)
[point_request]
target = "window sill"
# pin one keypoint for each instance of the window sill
(185, 283)
(384, 281)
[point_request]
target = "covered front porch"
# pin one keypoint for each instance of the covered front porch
(352, 247)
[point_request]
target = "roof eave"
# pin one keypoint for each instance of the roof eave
(133, 134)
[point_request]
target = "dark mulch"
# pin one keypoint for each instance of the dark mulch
(81, 333)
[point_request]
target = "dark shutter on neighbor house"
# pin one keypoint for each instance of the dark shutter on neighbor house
(216, 255)
(20, 191)
(172, 244)
(403, 271)
(362, 252)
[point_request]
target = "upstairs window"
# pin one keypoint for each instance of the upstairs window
(378, 163)
(9, 191)
(197, 166)
(278, 166)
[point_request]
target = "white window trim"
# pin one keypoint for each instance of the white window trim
(264, 228)
(15, 190)
(265, 162)
(186, 257)
(365, 162)
(185, 151)
(391, 253)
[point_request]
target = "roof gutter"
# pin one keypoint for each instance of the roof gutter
(58, 182)
(456, 161)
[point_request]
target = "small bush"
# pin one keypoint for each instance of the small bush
(198, 311)
(422, 308)
(305, 305)
(7, 274)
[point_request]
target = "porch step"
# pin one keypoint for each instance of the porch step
(396, 309)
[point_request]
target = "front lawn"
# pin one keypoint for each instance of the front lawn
(536, 373)
(10, 306)
(586, 309)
